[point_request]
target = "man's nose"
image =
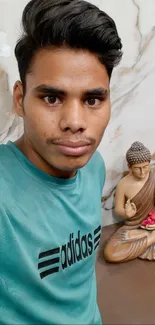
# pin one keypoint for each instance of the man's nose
(73, 117)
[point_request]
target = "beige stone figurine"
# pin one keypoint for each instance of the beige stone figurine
(135, 203)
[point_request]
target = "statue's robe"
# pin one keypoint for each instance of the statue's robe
(120, 247)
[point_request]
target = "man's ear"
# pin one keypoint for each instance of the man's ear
(18, 98)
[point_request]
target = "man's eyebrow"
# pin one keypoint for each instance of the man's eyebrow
(97, 92)
(45, 89)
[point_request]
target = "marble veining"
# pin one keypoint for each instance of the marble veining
(132, 87)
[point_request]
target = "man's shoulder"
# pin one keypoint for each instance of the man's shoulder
(96, 167)
(96, 163)
(3, 154)
(5, 160)
(2, 149)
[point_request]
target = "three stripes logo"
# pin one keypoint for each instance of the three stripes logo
(97, 236)
(53, 262)
(75, 250)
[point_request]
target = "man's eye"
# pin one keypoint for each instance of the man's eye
(93, 101)
(51, 100)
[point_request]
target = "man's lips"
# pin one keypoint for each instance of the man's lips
(73, 148)
(73, 144)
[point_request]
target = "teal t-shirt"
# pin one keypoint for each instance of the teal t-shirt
(49, 234)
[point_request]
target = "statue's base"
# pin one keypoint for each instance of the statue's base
(126, 290)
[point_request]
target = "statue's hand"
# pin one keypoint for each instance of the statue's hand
(130, 209)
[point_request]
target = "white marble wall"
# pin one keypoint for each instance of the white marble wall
(132, 86)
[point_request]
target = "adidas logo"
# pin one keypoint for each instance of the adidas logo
(74, 251)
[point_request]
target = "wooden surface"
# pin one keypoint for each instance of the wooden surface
(126, 292)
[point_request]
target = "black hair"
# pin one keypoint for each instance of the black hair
(74, 24)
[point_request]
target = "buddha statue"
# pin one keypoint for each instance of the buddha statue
(135, 204)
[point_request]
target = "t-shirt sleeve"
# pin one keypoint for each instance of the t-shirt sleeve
(97, 170)
(102, 171)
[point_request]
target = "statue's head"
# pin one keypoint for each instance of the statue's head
(138, 158)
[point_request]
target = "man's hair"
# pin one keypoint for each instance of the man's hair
(74, 24)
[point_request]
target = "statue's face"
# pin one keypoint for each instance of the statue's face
(140, 171)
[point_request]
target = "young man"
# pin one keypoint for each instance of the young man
(52, 177)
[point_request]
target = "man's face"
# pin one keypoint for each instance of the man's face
(140, 171)
(66, 107)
